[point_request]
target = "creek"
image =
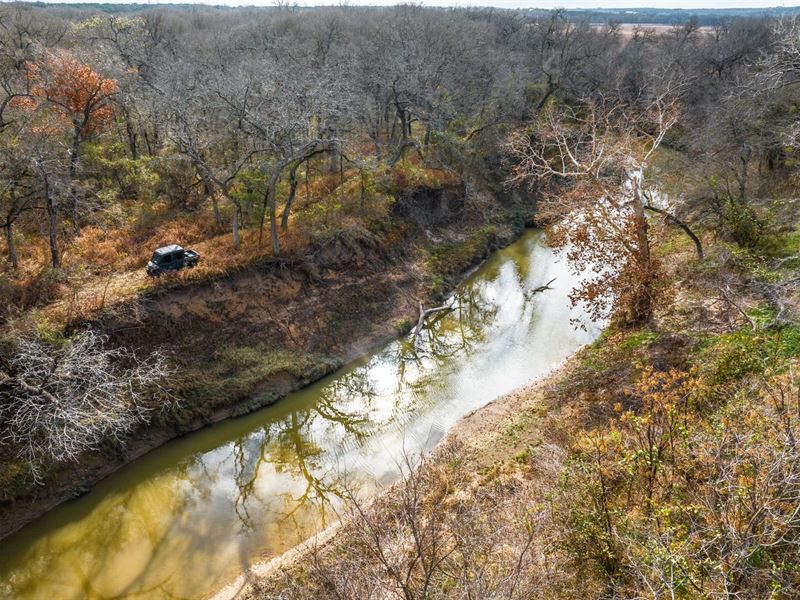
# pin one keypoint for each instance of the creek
(188, 517)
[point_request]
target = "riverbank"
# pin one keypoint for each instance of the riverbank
(546, 491)
(217, 500)
(505, 459)
(246, 340)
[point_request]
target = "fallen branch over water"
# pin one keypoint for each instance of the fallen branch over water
(544, 287)
(425, 313)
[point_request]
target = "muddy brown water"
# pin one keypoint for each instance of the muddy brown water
(186, 518)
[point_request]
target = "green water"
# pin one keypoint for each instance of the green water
(188, 517)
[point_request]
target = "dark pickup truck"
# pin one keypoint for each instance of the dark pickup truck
(171, 258)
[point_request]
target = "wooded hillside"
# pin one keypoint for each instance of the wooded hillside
(336, 169)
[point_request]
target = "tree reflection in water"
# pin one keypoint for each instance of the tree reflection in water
(342, 411)
(345, 408)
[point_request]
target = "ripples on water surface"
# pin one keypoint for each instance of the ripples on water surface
(187, 517)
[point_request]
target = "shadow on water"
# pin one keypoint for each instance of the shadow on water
(185, 518)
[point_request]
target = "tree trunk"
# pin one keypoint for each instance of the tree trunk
(235, 225)
(11, 216)
(132, 138)
(401, 114)
(52, 220)
(156, 137)
(334, 163)
(363, 194)
(308, 190)
(269, 206)
(234, 217)
(743, 179)
(273, 230)
(641, 302)
(687, 230)
(401, 151)
(73, 153)
(215, 207)
(393, 130)
(547, 93)
(12, 249)
(292, 190)
(73, 175)
(147, 143)
(642, 308)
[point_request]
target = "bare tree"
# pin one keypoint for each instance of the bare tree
(435, 533)
(284, 116)
(17, 194)
(216, 177)
(23, 35)
(33, 178)
(59, 401)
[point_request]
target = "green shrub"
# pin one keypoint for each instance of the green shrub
(455, 257)
(783, 245)
(733, 356)
(746, 227)
(637, 339)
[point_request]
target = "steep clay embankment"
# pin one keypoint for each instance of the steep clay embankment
(243, 341)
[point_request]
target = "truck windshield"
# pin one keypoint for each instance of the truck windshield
(159, 258)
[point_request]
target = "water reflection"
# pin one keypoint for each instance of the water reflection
(183, 520)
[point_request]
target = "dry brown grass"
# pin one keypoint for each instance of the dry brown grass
(104, 264)
(442, 531)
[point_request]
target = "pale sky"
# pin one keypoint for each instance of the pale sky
(628, 4)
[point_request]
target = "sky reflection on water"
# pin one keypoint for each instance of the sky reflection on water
(182, 521)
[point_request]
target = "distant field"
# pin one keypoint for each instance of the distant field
(628, 29)
(665, 16)
(656, 16)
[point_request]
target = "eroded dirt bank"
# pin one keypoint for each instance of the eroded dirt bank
(244, 341)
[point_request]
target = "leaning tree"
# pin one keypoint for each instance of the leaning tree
(591, 161)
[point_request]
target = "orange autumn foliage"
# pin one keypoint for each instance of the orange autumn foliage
(73, 90)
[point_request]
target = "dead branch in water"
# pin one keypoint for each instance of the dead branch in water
(544, 287)
(424, 314)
